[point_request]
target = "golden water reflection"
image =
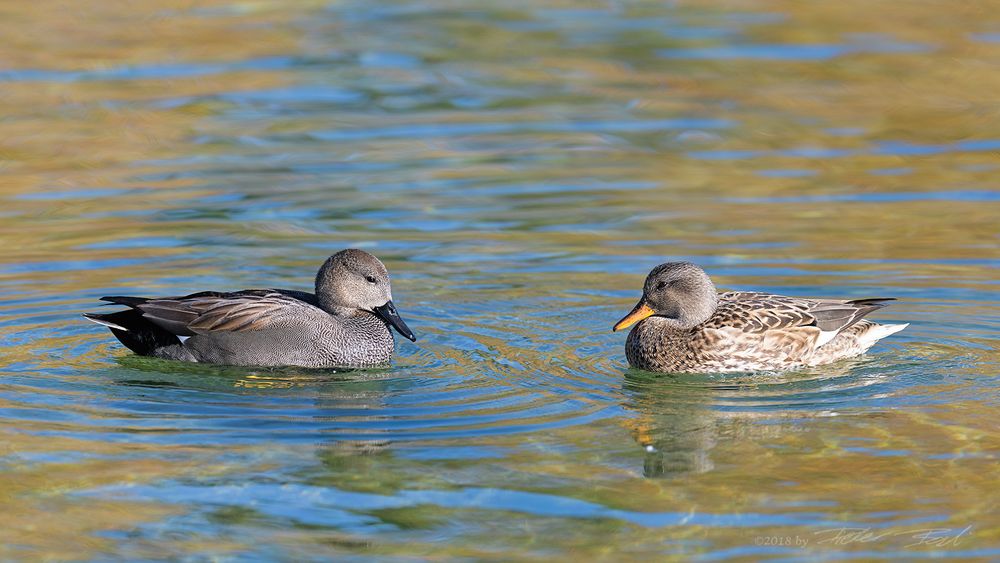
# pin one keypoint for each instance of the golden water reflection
(519, 169)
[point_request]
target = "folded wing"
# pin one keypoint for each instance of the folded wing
(214, 312)
(760, 313)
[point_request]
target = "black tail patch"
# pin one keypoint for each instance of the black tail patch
(124, 300)
(140, 335)
(876, 302)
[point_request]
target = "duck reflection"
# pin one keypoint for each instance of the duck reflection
(338, 406)
(681, 418)
(209, 377)
(674, 423)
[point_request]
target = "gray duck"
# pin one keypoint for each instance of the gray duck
(345, 323)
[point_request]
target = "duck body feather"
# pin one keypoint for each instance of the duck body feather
(253, 327)
(752, 331)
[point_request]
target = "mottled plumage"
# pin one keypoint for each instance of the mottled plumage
(344, 324)
(684, 325)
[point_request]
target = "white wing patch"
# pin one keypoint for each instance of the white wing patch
(826, 336)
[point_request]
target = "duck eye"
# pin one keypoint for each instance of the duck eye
(661, 285)
(371, 279)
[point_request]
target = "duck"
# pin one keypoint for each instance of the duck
(683, 324)
(346, 323)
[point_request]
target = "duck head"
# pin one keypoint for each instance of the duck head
(354, 279)
(679, 291)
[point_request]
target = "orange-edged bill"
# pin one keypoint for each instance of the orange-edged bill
(641, 311)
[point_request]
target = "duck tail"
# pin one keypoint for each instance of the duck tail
(135, 331)
(878, 332)
(126, 300)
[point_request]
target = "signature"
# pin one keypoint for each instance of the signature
(934, 537)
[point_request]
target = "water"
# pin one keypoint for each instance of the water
(519, 169)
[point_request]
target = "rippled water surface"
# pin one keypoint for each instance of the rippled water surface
(519, 168)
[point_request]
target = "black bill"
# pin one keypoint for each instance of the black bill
(388, 314)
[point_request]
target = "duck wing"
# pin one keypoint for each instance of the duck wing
(760, 313)
(835, 315)
(209, 311)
